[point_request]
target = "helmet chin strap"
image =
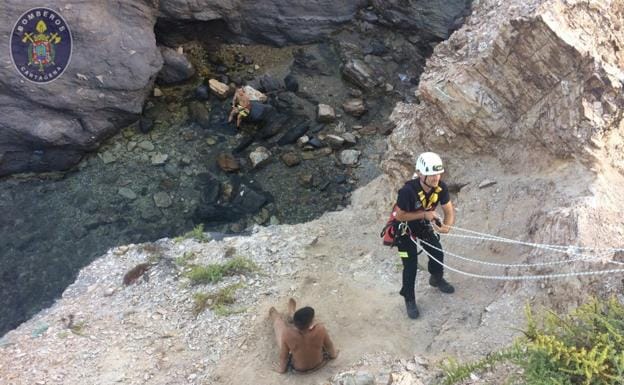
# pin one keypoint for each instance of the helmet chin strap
(424, 180)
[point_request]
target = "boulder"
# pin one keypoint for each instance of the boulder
(254, 94)
(297, 130)
(291, 159)
(176, 67)
(221, 90)
(49, 127)
(350, 157)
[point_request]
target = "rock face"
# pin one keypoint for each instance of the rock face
(542, 79)
(113, 64)
(49, 126)
(437, 18)
(529, 93)
(275, 21)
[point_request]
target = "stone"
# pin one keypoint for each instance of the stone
(176, 67)
(159, 159)
(127, 193)
(291, 83)
(162, 199)
(349, 157)
(305, 180)
(296, 131)
(355, 107)
(146, 125)
(360, 74)
(334, 141)
(403, 378)
(325, 113)
(107, 157)
(291, 159)
(227, 162)
(302, 141)
(254, 94)
(200, 114)
(202, 92)
(157, 92)
(486, 183)
(221, 90)
(349, 138)
(146, 145)
(353, 378)
(259, 157)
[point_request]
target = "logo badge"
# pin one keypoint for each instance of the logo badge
(41, 45)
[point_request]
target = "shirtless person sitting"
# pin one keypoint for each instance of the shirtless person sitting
(241, 106)
(304, 345)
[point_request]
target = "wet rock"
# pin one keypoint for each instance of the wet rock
(127, 193)
(146, 145)
(305, 180)
(248, 200)
(259, 157)
(309, 155)
(159, 159)
(302, 141)
(349, 157)
(340, 179)
(200, 114)
(131, 145)
(162, 199)
(243, 143)
(291, 83)
(209, 187)
(355, 107)
(146, 125)
(334, 141)
(318, 127)
(294, 133)
(315, 142)
(227, 162)
(267, 83)
(221, 90)
(360, 74)
(325, 113)
(368, 130)
(385, 129)
(202, 92)
(176, 67)
(107, 157)
(291, 159)
(349, 138)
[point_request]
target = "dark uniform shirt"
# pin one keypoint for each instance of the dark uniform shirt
(409, 201)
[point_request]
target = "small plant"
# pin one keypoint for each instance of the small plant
(585, 347)
(215, 272)
(454, 372)
(185, 258)
(218, 302)
(197, 233)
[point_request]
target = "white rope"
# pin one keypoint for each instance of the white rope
(518, 277)
(581, 257)
(537, 245)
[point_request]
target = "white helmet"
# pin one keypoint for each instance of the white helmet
(429, 163)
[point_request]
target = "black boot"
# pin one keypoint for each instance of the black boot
(441, 284)
(412, 309)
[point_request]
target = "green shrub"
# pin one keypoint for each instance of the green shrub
(197, 233)
(215, 272)
(219, 302)
(585, 347)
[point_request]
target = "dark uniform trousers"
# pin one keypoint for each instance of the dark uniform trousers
(409, 256)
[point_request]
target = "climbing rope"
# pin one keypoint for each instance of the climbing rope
(558, 249)
(507, 277)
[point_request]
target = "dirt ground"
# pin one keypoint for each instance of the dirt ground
(353, 283)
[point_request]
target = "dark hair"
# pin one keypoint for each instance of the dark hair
(303, 317)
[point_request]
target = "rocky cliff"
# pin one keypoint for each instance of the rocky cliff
(523, 102)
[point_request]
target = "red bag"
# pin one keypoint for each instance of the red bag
(389, 233)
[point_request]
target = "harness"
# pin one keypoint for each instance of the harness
(433, 199)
